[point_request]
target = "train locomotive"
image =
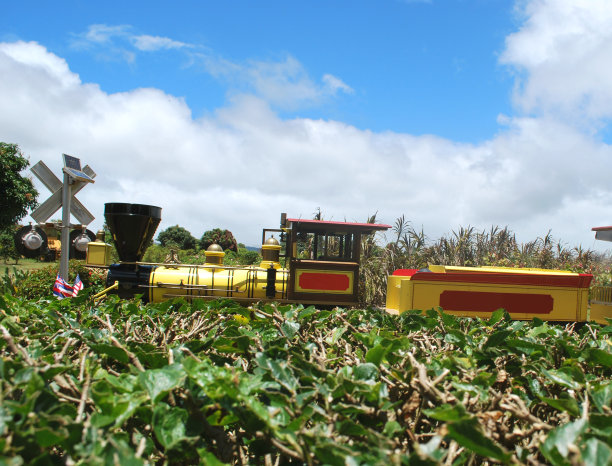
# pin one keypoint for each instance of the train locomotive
(320, 265)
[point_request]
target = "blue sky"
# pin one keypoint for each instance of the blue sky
(454, 113)
(417, 67)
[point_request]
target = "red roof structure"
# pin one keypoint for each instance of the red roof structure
(326, 225)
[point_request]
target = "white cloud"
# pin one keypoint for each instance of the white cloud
(35, 60)
(102, 33)
(120, 41)
(335, 84)
(241, 166)
(285, 83)
(148, 43)
(564, 52)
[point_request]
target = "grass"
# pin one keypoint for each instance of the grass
(24, 265)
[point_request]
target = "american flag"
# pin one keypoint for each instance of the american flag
(78, 285)
(61, 288)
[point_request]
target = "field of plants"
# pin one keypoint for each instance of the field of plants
(119, 382)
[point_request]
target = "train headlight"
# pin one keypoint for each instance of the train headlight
(32, 240)
(80, 242)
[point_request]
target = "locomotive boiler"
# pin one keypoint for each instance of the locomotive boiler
(318, 262)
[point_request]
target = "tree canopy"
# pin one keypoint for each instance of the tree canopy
(17, 192)
(177, 236)
(223, 238)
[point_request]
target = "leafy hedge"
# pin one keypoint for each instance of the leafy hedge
(39, 283)
(126, 383)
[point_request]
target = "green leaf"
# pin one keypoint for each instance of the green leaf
(496, 338)
(563, 404)
(351, 428)
(333, 454)
(169, 425)
(561, 378)
(602, 395)
(468, 434)
(496, 317)
(455, 337)
(595, 452)
(149, 355)
(431, 450)
(158, 382)
(367, 372)
(447, 412)
(598, 357)
(556, 446)
(376, 354)
(208, 458)
(307, 312)
(47, 436)
(392, 428)
(115, 353)
(290, 329)
(232, 344)
(5, 420)
(124, 383)
(279, 371)
(521, 345)
(601, 424)
(335, 336)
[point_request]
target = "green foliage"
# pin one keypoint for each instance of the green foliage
(10, 280)
(17, 193)
(120, 382)
(242, 257)
(223, 238)
(7, 245)
(178, 237)
(157, 253)
(39, 283)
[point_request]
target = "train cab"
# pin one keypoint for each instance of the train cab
(323, 259)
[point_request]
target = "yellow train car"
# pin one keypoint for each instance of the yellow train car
(478, 291)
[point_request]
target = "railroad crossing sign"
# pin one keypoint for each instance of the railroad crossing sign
(54, 202)
(64, 196)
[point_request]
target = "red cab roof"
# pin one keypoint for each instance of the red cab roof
(325, 225)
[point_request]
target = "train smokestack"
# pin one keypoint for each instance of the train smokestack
(132, 227)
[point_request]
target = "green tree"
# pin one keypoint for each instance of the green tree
(17, 193)
(7, 245)
(223, 238)
(177, 236)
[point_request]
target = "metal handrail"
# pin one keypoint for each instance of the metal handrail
(200, 266)
(601, 294)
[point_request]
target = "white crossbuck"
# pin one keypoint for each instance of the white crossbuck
(53, 204)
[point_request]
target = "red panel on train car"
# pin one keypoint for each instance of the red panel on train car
(479, 301)
(324, 281)
(571, 281)
(405, 272)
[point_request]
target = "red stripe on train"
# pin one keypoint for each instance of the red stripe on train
(324, 281)
(479, 301)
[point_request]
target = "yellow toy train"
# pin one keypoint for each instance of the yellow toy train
(321, 266)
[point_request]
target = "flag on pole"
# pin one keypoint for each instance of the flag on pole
(61, 289)
(78, 285)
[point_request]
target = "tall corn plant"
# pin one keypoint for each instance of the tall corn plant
(373, 270)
